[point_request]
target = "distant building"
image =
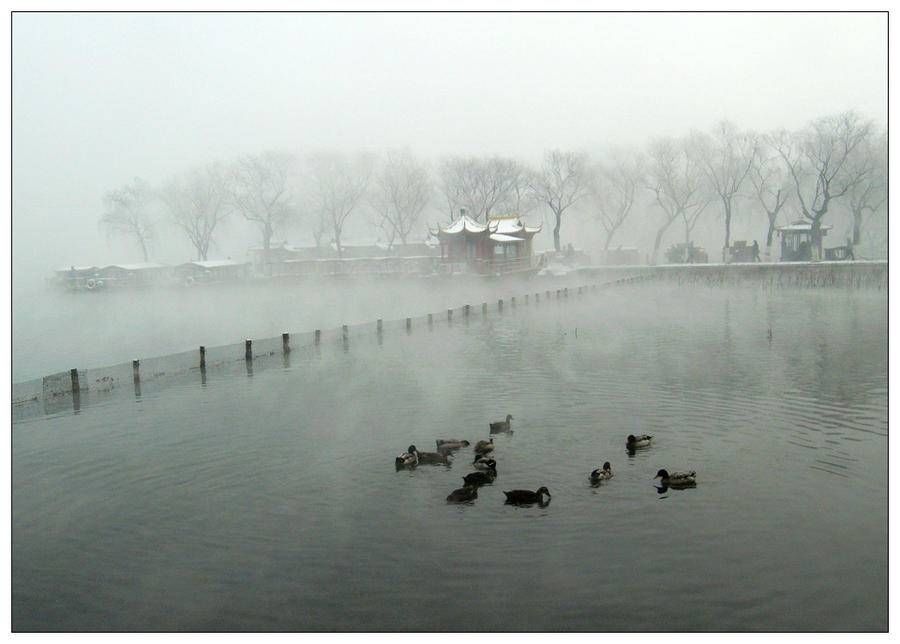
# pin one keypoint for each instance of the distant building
(280, 251)
(797, 242)
(503, 244)
(75, 278)
(209, 271)
(138, 274)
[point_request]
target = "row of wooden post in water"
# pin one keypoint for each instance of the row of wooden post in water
(345, 334)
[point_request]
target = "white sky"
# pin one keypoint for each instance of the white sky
(101, 98)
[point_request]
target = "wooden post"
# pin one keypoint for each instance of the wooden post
(430, 319)
(466, 310)
(345, 332)
(512, 301)
(566, 292)
(408, 324)
(202, 358)
(378, 325)
(537, 298)
(557, 293)
(136, 375)
(76, 389)
(484, 308)
(248, 349)
(286, 343)
(318, 336)
(526, 298)
(500, 304)
(449, 314)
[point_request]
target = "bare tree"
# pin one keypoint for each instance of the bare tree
(612, 190)
(561, 182)
(261, 192)
(519, 199)
(726, 157)
(338, 185)
(869, 191)
(817, 159)
(771, 187)
(198, 202)
(127, 213)
(676, 181)
(401, 191)
(479, 184)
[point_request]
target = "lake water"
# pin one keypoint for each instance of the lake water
(271, 502)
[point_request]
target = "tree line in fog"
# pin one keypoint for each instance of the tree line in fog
(834, 162)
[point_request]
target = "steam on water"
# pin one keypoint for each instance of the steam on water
(263, 496)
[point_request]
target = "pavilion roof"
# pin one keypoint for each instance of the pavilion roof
(801, 226)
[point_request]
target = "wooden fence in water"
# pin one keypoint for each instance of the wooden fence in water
(71, 388)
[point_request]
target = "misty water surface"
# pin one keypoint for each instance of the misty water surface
(271, 502)
(55, 330)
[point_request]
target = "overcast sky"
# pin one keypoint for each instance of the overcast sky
(101, 98)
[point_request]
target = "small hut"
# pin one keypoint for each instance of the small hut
(797, 241)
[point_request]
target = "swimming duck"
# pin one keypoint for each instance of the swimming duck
(638, 441)
(480, 478)
(446, 451)
(483, 447)
(527, 496)
(501, 425)
(450, 443)
(603, 474)
(434, 458)
(677, 479)
(409, 458)
(463, 494)
(484, 463)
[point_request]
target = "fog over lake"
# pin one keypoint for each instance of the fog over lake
(264, 264)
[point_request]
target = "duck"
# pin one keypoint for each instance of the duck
(602, 474)
(501, 425)
(483, 447)
(677, 479)
(480, 477)
(409, 458)
(517, 497)
(638, 441)
(434, 458)
(463, 494)
(446, 451)
(484, 463)
(450, 443)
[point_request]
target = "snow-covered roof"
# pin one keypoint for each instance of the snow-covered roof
(76, 268)
(139, 266)
(510, 225)
(497, 237)
(214, 263)
(277, 245)
(464, 223)
(802, 226)
(360, 244)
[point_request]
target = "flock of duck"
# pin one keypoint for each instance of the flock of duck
(486, 467)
